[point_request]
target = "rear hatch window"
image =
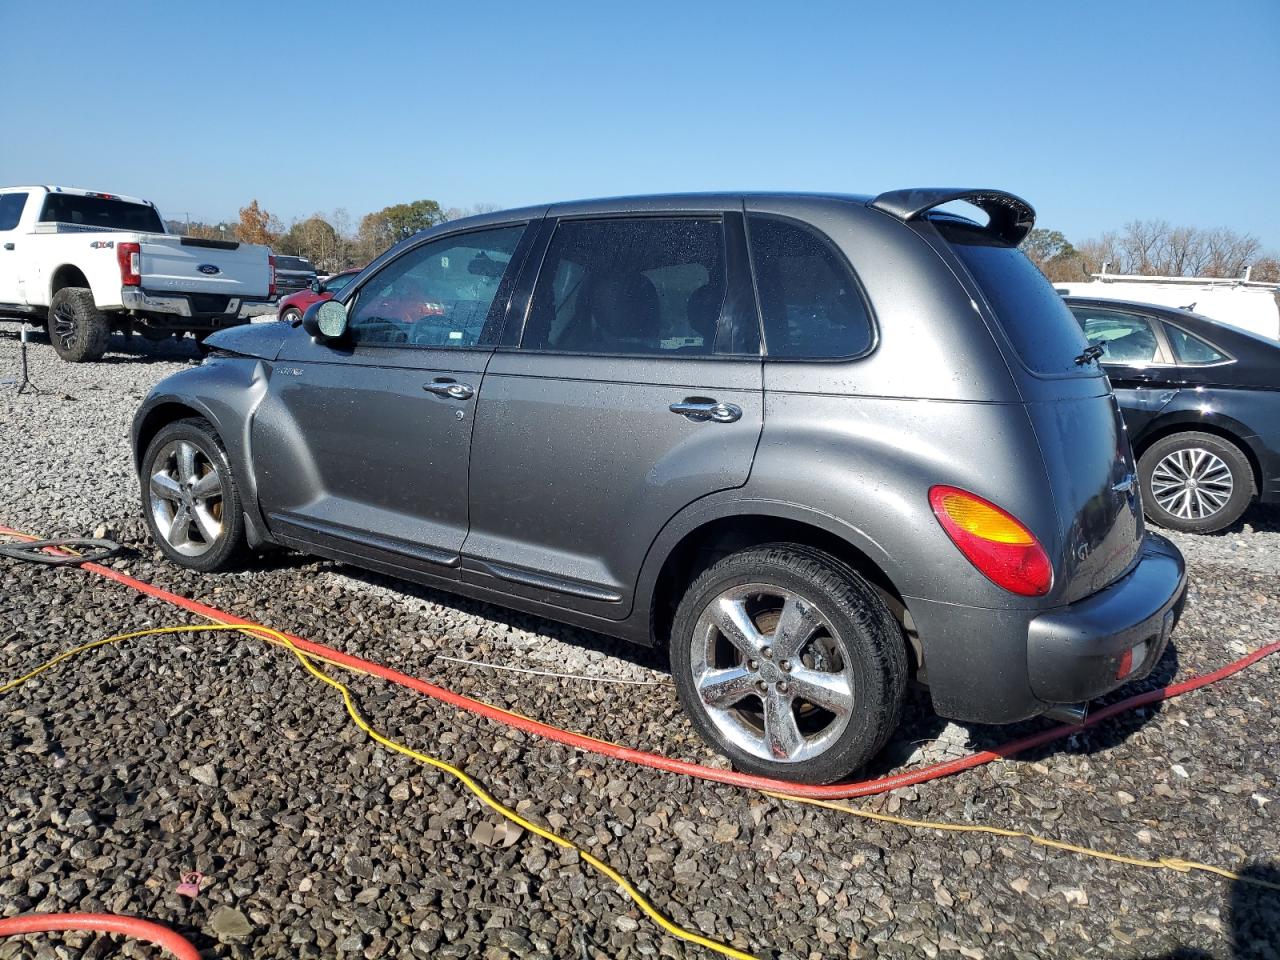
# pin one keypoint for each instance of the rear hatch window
(1032, 314)
(294, 263)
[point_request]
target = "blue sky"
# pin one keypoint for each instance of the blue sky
(1097, 113)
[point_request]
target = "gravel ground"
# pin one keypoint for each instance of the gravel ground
(133, 764)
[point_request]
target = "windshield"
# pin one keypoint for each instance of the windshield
(1038, 323)
(103, 212)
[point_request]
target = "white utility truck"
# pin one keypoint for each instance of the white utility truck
(89, 263)
(1244, 303)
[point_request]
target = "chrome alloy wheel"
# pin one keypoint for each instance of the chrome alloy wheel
(186, 498)
(770, 673)
(1192, 484)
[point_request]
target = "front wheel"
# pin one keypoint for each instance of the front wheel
(78, 330)
(1195, 482)
(292, 315)
(190, 497)
(789, 663)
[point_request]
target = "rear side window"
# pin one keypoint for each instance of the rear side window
(809, 300)
(1191, 349)
(630, 285)
(1037, 322)
(100, 212)
(1125, 337)
(11, 205)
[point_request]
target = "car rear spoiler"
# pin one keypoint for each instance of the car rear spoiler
(1011, 217)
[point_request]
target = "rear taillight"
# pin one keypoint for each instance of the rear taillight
(129, 255)
(271, 286)
(993, 541)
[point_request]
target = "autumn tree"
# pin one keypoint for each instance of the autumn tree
(257, 225)
(1053, 254)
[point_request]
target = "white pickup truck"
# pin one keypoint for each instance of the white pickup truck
(92, 263)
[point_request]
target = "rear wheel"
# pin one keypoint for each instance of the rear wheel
(789, 663)
(78, 330)
(1195, 482)
(190, 498)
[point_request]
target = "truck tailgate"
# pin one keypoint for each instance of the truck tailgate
(191, 265)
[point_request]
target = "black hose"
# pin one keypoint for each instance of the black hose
(88, 550)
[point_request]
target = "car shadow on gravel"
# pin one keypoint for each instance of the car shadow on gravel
(921, 728)
(651, 658)
(1251, 918)
(121, 349)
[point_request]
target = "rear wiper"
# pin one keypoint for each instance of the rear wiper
(1092, 352)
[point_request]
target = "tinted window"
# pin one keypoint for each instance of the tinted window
(809, 299)
(294, 263)
(101, 212)
(1191, 349)
(1125, 337)
(11, 205)
(653, 286)
(438, 294)
(1037, 322)
(335, 284)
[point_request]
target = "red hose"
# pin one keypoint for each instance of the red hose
(835, 791)
(134, 927)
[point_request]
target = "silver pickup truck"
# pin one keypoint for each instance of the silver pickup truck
(89, 264)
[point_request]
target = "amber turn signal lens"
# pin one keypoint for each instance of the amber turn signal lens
(994, 541)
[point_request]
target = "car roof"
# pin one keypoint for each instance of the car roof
(78, 192)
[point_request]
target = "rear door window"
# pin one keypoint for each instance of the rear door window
(1125, 337)
(642, 285)
(1030, 311)
(11, 205)
(810, 301)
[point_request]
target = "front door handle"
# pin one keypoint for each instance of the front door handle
(701, 409)
(451, 389)
(8, 246)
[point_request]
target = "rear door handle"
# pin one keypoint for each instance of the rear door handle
(8, 246)
(451, 389)
(701, 409)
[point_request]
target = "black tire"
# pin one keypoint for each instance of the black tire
(862, 642)
(78, 330)
(291, 315)
(227, 549)
(1168, 458)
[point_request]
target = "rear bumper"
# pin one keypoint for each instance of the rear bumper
(1075, 653)
(1000, 666)
(234, 309)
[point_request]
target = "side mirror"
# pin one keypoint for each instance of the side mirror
(317, 286)
(325, 320)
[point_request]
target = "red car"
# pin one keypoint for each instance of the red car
(292, 307)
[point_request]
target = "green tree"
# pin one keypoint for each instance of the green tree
(390, 225)
(317, 240)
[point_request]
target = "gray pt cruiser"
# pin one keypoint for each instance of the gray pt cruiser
(814, 446)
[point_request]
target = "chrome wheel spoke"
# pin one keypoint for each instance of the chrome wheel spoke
(186, 454)
(208, 525)
(830, 691)
(735, 624)
(165, 487)
(795, 628)
(180, 528)
(207, 486)
(720, 688)
(781, 730)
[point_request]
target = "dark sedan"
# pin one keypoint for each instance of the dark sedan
(1201, 403)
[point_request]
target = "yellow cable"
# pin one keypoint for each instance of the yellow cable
(1164, 863)
(274, 636)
